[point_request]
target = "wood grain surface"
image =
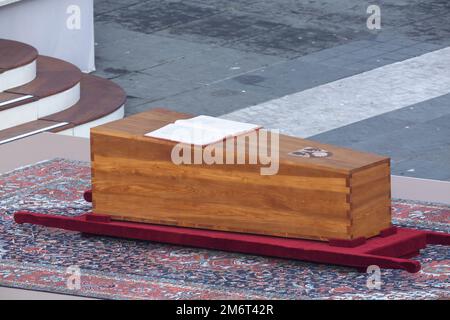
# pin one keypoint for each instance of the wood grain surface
(6, 96)
(344, 196)
(15, 54)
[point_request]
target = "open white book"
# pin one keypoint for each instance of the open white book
(202, 130)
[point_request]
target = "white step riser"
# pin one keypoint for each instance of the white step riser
(59, 102)
(83, 131)
(38, 109)
(17, 77)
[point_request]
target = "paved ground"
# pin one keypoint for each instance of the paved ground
(224, 57)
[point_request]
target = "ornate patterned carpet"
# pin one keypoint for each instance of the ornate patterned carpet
(38, 258)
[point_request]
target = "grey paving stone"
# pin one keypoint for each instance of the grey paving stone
(106, 69)
(399, 56)
(152, 88)
(145, 107)
(360, 67)
(316, 8)
(361, 44)
(417, 150)
(151, 16)
(368, 52)
(427, 47)
(399, 13)
(226, 4)
(292, 76)
(329, 53)
(425, 166)
(132, 103)
(107, 33)
(424, 111)
(212, 64)
(289, 12)
(222, 28)
(407, 143)
(105, 6)
(360, 57)
(401, 40)
(374, 62)
(214, 100)
(293, 41)
(360, 131)
(386, 36)
(418, 49)
(143, 51)
(387, 46)
(342, 60)
(442, 122)
(435, 29)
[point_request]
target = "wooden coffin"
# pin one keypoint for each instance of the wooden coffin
(339, 194)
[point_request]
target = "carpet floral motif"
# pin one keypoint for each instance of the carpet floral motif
(41, 258)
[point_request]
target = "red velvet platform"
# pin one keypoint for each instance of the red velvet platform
(392, 249)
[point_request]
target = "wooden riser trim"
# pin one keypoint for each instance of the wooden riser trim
(31, 129)
(14, 54)
(12, 99)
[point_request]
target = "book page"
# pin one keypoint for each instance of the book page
(212, 123)
(201, 130)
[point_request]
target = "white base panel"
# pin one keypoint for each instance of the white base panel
(18, 115)
(38, 109)
(84, 130)
(17, 77)
(58, 102)
(42, 146)
(420, 189)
